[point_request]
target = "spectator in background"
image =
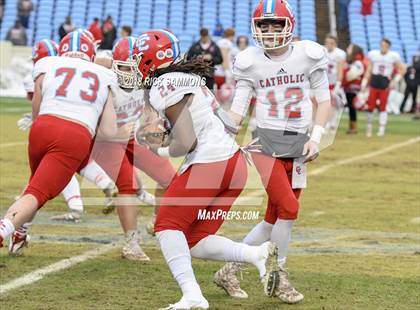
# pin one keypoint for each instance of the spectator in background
(126, 31)
(2, 4)
(367, 7)
(354, 68)
(65, 27)
(242, 43)
(223, 73)
(17, 34)
(110, 34)
(25, 8)
(343, 11)
(218, 31)
(96, 30)
(207, 50)
(412, 80)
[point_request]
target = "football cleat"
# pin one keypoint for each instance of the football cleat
(285, 291)
(110, 193)
(271, 278)
(150, 226)
(132, 249)
(146, 197)
(226, 279)
(185, 304)
(68, 217)
(381, 131)
(17, 243)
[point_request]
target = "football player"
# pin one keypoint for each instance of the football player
(121, 154)
(381, 66)
(92, 171)
(336, 59)
(211, 178)
(71, 95)
(284, 75)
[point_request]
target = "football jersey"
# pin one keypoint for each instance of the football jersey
(223, 43)
(213, 142)
(74, 88)
(334, 57)
(383, 64)
(128, 105)
(283, 86)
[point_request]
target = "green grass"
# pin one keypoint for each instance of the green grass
(356, 243)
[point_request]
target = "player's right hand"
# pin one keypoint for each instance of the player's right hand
(25, 122)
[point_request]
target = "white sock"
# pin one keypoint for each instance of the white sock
(281, 235)
(259, 234)
(383, 118)
(370, 118)
(72, 195)
(6, 228)
(223, 249)
(175, 249)
(95, 174)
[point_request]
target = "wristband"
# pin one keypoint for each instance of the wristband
(163, 151)
(317, 133)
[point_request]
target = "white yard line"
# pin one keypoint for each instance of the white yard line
(353, 159)
(11, 144)
(39, 274)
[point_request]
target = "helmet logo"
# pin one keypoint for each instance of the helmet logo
(169, 53)
(141, 42)
(65, 47)
(84, 48)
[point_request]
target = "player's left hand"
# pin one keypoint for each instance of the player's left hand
(310, 150)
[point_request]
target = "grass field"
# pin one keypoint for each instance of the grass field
(356, 244)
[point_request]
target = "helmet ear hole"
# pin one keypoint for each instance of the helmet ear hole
(157, 37)
(148, 62)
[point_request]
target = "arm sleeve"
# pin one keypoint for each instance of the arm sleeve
(319, 85)
(243, 94)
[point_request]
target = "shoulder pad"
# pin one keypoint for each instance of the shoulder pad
(314, 50)
(244, 59)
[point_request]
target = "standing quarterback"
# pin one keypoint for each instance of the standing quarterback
(284, 75)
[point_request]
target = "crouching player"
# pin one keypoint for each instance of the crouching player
(71, 94)
(92, 171)
(119, 155)
(284, 76)
(211, 178)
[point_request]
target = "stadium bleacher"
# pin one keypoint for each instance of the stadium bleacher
(183, 17)
(398, 20)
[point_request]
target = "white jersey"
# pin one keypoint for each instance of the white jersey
(227, 44)
(283, 87)
(334, 58)
(128, 105)
(28, 84)
(213, 142)
(74, 88)
(383, 64)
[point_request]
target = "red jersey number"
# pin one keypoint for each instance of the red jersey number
(293, 95)
(69, 73)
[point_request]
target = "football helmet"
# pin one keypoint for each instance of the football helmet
(273, 24)
(44, 48)
(77, 44)
(155, 49)
(122, 57)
